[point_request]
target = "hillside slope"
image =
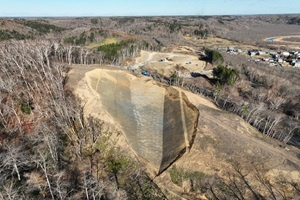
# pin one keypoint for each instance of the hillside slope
(158, 121)
(226, 151)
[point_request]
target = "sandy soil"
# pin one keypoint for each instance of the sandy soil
(282, 39)
(165, 63)
(224, 137)
(221, 136)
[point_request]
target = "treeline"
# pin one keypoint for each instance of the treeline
(115, 53)
(201, 33)
(8, 35)
(124, 20)
(41, 28)
(87, 37)
(38, 29)
(112, 51)
(81, 40)
(294, 20)
(174, 26)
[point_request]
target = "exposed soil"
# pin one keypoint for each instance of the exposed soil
(294, 39)
(222, 138)
(165, 63)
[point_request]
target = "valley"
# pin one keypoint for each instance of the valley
(187, 107)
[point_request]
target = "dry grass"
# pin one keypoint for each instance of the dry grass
(294, 39)
(213, 42)
(110, 40)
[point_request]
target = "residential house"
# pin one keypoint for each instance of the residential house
(296, 64)
(285, 54)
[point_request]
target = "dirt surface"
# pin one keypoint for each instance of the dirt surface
(215, 42)
(285, 39)
(222, 138)
(165, 63)
(145, 111)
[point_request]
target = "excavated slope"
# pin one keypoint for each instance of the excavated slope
(159, 121)
(222, 138)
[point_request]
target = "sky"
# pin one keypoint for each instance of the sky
(55, 8)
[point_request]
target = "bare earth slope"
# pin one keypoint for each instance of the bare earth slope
(222, 138)
(159, 122)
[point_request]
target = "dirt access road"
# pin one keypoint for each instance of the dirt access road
(167, 63)
(285, 39)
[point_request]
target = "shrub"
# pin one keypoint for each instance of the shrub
(103, 33)
(175, 78)
(94, 21)
(145, 44)
(92, 37)
(214, 57)
(218, 88)
(174, 27)
(178, 175)
(201, 33)
(81, 40)
(111, 51)
(225, 75)
(25, 108)
(70, 40)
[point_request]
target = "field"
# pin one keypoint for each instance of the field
(293, 39)
(285, 42)
(216, 42)
(110, 40)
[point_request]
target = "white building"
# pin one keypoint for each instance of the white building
(280, 60)
(262, 53)
(285, 54)
(296, 64)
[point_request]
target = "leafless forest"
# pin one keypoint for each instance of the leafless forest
(48, 150)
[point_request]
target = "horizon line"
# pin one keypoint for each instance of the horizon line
(107, 16)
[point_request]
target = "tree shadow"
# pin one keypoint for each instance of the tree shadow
(210, 80)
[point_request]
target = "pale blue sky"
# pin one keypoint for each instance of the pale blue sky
(145, 7)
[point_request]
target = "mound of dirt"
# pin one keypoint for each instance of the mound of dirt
(159, 121)
(223, 141)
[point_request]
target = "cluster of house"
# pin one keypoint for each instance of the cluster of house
(273, 58)
(234, 51)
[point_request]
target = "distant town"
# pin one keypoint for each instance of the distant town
(273, 58)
